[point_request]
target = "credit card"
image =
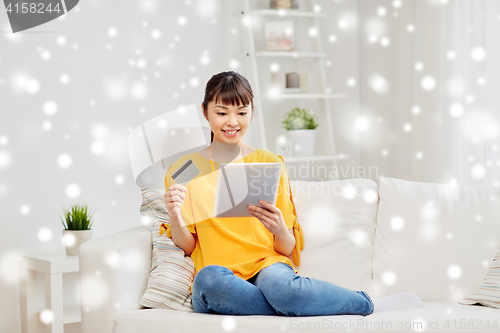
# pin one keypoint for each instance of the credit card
(186, 173)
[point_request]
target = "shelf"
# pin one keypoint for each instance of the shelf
(315, 158)
(289, 54)
(50, 264)
(304, 96)
(71, 314)
(287, 12)
(255, 54)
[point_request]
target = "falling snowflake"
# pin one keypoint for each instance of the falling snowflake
(112, 32)
(389, 278)
(64, 79)
(381, 11)
(44, 234)
(478, 54)
(156, 34)
(313, 32)
(139, 90)
(454, 272)
(385, 42)
(349, 192)
(379, 84)
(428, 83)
(478, 171)
(119, 179)
(181, 20)
(25, 209)
(361, 123)
(73, 191)
(194, 82)
(64, 161)
(97, 147)
(397, 223)
(456, 110)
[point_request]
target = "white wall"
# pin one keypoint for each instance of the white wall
(97, 107)
(413, 133)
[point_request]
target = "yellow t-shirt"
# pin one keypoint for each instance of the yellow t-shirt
(241, 244)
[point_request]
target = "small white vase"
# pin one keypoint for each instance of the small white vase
(302, 141)
(74, 238)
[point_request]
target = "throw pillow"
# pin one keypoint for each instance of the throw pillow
(489, 289)
(172, 273)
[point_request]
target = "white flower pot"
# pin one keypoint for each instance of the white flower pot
(302, 141)
(74, 238)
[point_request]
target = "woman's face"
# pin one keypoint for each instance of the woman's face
(224, 119)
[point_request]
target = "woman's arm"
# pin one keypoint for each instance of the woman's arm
(181, 236)
(272, 219)
(285, 244)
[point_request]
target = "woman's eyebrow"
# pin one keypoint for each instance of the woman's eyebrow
(223, 107)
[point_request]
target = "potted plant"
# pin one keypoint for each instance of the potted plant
(77, 223)
(301, 125)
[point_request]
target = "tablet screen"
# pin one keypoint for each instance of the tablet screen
(243, 184)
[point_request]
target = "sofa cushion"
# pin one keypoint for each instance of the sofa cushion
(445, 317)
(338, 221)
(434, 240)
(489, 289)
(172, 273)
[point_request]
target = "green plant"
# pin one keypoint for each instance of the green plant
(77, 218)
(299, 119)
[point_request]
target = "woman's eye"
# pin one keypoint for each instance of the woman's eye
(223, 113)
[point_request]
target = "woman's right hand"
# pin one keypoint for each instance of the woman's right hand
(174, 197)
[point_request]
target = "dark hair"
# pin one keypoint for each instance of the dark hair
(230, 87)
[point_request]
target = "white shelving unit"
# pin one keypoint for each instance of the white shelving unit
(53, 266)
(254, 57)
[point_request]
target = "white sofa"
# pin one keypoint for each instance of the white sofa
(434, 240)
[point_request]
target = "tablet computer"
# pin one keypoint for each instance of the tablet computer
(243, 184)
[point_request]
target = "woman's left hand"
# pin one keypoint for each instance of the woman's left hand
(270, 216)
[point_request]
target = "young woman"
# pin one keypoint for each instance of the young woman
(242, 264)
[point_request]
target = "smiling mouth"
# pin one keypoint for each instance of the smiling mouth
(231, 132)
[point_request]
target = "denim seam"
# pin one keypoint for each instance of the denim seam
(222, 306)
(299, 314)
(372, 306)
(276, 309)
(296, 314)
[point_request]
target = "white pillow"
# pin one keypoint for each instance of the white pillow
(434, 240)
(489, 290)
(338, 221)
(172, 273)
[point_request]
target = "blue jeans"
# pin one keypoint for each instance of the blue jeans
(275, 290)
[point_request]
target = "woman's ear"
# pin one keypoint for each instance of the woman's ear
(204, 112)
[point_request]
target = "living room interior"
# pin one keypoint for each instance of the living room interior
(392, 102)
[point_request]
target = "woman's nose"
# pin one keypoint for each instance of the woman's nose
(232, 122)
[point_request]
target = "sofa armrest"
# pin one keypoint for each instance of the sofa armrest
(114, 272)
